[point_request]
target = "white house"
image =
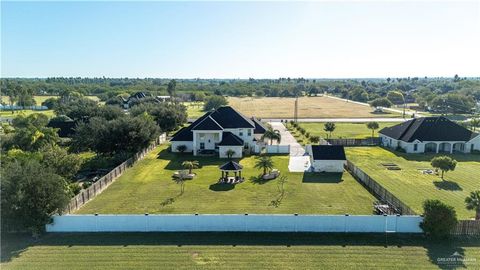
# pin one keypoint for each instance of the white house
(430, 135)
(219, 131)
(327, 158)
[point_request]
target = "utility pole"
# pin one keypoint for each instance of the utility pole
(295, 117)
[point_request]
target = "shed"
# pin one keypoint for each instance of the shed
(327, 158)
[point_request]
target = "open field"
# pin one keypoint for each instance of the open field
(345, 130)
(9, 114)
(194, 109)
(412, 186)
(148, 187)
(40, 99)
(234, 251)
(308, 107)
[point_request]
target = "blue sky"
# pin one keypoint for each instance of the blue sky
(240, 40)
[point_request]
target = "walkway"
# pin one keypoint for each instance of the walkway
(299, 162)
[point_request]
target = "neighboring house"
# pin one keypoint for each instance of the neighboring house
(127, 102)
(219, 131)
(327, 158)
(430, 135)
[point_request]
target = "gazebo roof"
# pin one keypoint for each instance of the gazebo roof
(231, 166)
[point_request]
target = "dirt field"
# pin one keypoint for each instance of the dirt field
(308, 107)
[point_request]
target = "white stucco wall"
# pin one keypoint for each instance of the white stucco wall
(188, 144)
(476, 143)
(223, 151)
(328, 165)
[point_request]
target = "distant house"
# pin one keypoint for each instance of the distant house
(138, 96)
(219, 131)
(430, 135)
(327, 158)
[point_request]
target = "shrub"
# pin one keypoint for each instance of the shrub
(439, 219)
(86, 184)
(307, 134)
(314, 139)
(74, 188)
(400, 149)
(182, 148)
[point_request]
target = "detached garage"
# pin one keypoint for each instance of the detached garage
(327, 158)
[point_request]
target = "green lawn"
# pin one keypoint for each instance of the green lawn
(9, 114)
(148, 187)
(194, 109)
(412, 186)
(234, 251)
(345, 130)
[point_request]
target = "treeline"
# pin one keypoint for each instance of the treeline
(436, 94)
(39, 168)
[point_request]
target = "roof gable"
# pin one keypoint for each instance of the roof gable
(230, 139)
(207, 124)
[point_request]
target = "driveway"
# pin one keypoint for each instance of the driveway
(299, 161)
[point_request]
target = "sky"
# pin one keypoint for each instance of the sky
(240, 39)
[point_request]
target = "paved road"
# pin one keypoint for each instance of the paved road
(409, 113)
(346, 120)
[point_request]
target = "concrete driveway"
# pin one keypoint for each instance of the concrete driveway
(299, 161)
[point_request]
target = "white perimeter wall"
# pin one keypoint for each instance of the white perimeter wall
(278, 149)
(239, 223)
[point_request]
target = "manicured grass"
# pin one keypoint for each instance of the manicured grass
(40, 99)
(9, 114)
(148, 187)
(412, 186)
(234, 251)
(345, 130)
(308, 107)
(194, 109)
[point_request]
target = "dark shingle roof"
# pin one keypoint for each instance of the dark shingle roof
(231, 166)
(328, 152)
(230, 139)
(429, 129)
(259, 127)
(207, 124)
(224, 117)
(227, 117)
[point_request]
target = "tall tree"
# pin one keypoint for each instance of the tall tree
(31, 193)
(473, 203)
(329, 127)
(373, 126)
(172, 85)
(272, 135)
(444, 163)
(190, 165)
(265, 163)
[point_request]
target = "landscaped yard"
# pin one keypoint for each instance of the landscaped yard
(148, 187)
(234, 251)
(345, 130)
(412, 186)
(308, 107)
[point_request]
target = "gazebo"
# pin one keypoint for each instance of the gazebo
(229, 167)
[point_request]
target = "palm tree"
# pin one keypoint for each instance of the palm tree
(329, 127)
(190, 165)
(475, 123)
(272, 135)
(373, 126)
(473, 203)
(230, 153)
(265, 163)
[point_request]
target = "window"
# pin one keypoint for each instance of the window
(202, 146)
(240, 133)
(415, 147)
(249, 133)
(202, 137)
(216, 145)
